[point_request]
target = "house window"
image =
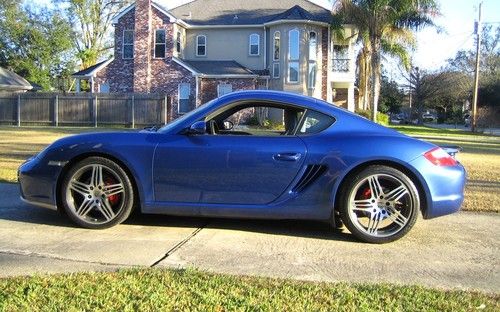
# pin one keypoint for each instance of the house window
(104, 87)
(293, 56)
(184, 93)
(224, 88)
(201, 45)
(341, 59)
(312, 68)
(254, 45)
(128, 44)
(178, 42)
(160, 43)
(276, 70)
(276, 46)
(313, 50)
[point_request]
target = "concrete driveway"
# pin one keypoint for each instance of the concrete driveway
(457, 251)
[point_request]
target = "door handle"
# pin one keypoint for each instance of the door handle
(287, 156)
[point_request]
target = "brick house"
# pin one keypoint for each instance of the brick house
(206, 48)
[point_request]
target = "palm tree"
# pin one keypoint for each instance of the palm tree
(383, 25)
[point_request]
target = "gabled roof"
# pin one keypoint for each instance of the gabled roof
(11, 81)
(249, 12)
(92, 70)
(159, 7)
(294, 13)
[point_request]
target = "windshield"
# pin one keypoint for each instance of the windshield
(178, 121)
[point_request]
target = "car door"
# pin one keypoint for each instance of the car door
(226, 169)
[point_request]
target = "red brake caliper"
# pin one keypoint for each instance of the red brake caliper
(367, 193)
(113, 199)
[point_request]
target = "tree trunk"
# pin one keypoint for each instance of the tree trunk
(375, 74)
(364, 74)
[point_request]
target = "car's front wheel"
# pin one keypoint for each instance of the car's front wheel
(380, 204)
(96, 193)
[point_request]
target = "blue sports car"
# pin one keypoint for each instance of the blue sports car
(251, 154)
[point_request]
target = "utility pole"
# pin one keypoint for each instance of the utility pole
(477, 30)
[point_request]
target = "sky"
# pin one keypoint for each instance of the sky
(434, 47)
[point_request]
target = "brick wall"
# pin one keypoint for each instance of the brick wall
(142, 44)
(119, 74)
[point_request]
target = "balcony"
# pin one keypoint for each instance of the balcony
(341, 65)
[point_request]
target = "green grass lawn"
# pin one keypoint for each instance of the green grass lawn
(481, 156)
(191, 290)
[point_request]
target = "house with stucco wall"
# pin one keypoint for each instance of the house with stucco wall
(206, 48)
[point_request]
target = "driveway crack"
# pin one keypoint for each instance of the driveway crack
(179, 244)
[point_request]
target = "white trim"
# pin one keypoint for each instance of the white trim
(296, 22)
(123, 44)
(309, 22)
(197, 45)
(250, 44)
(188, 26)
(115, 19)
(15, 87)
(186, 66)
(164, 44)
(95, 71)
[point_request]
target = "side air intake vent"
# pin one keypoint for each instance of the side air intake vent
(311, 174)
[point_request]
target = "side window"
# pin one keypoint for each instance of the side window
(315, 122)
(160, 43)
(201, 45)
(183, 94)
(259, 119)
(128, 44)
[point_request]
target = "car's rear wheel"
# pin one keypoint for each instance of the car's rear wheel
(96, 193)
(380, 204)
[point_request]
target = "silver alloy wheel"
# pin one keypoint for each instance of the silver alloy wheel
(380, 205)
(95, 194)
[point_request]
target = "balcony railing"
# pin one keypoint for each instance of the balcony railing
(341, 65)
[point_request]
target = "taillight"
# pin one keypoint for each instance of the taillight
(439, 157)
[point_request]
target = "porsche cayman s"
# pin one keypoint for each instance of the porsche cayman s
(251, 154)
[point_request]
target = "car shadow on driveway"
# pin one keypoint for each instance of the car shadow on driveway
(13, 209)
(298, 228)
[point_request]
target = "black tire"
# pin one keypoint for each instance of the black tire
(384, 196)
(96, 193)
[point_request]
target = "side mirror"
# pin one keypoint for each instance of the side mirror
(228, 125)
(199, 127)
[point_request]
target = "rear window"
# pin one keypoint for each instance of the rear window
(314, 122)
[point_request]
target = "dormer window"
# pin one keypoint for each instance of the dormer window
(160, 43)
(128, 44)
(254, 45)
(201, 45)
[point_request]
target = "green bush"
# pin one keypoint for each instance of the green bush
(382, 118)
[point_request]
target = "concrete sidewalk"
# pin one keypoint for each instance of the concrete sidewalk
(457, 251)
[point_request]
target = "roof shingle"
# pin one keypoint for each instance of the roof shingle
(248, 12)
